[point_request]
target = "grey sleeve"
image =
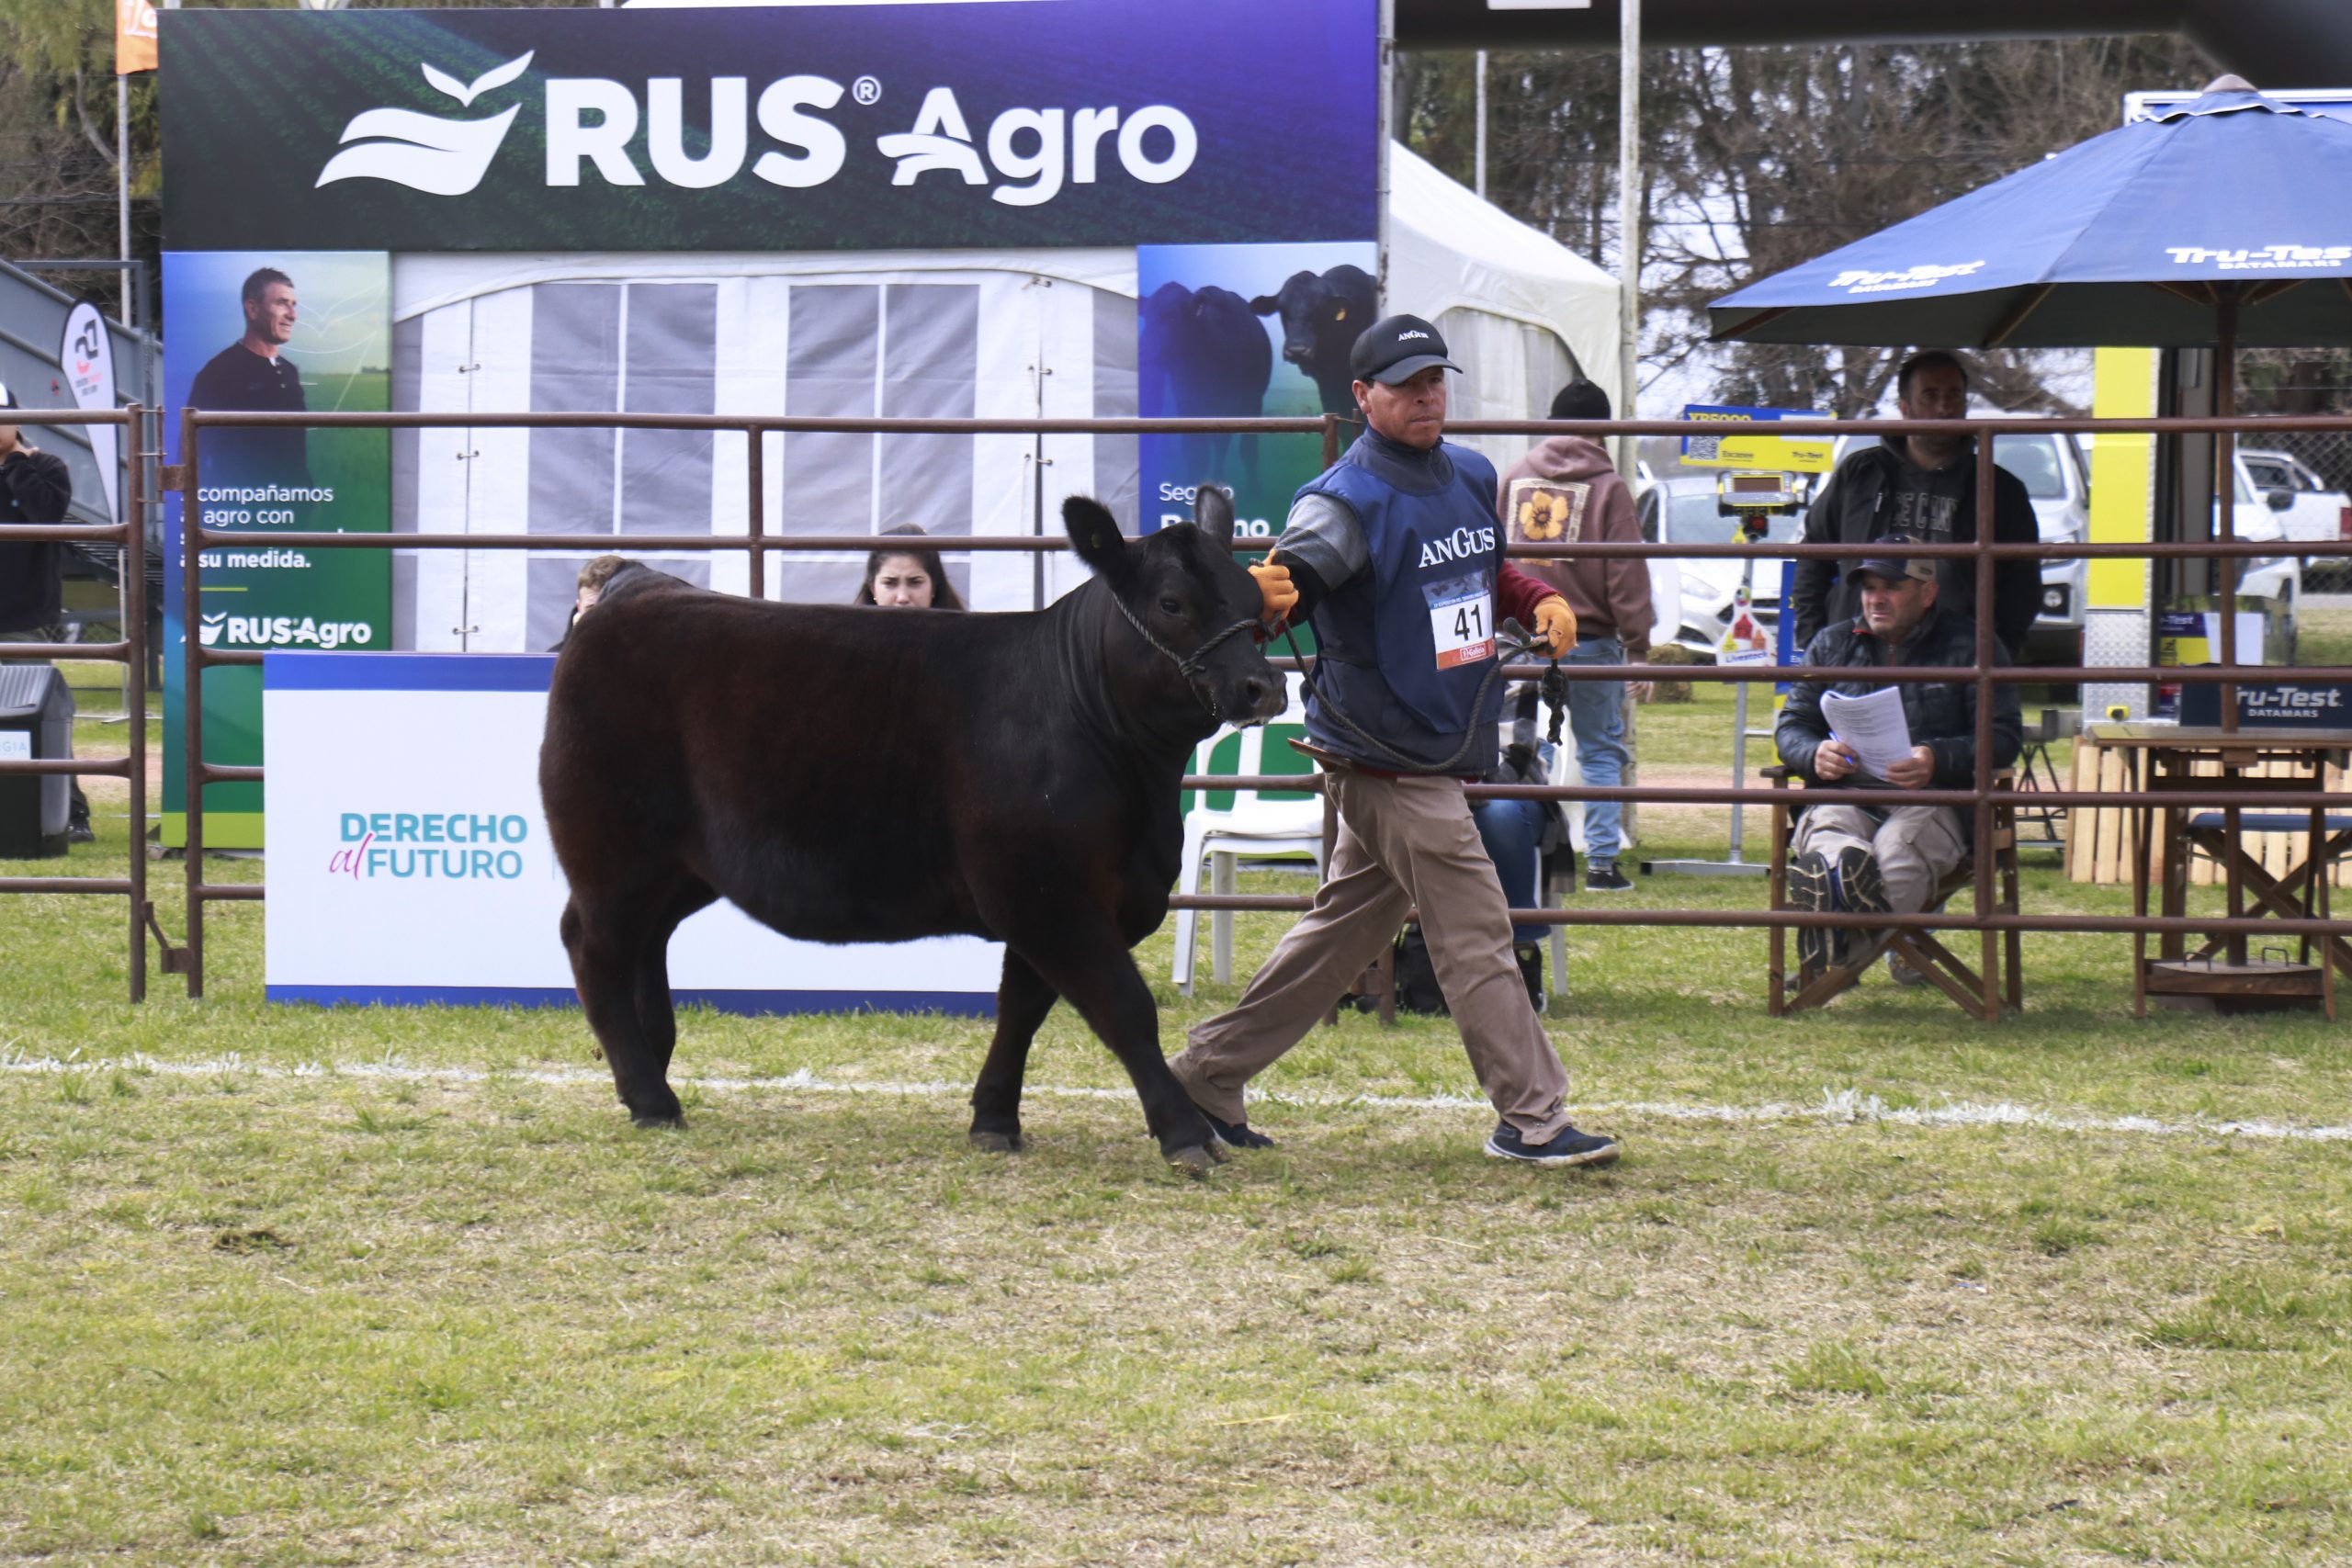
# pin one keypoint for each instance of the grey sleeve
(1323, 535)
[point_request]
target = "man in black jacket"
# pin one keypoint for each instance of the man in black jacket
(1886, 860)
(1923, 487)
(35, 487)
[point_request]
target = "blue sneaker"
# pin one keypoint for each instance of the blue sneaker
(1567, 1147)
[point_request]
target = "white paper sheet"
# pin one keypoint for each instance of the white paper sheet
(1872, 725)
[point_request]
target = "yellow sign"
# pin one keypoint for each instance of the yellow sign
(1753, 449)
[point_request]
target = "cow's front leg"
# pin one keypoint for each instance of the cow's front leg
(1098, 978)
(1023, 1000)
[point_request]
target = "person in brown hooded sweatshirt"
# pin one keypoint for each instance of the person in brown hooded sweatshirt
(1566, 490)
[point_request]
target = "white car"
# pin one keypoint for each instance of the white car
(2266, 577)
(1692, 600)
(2306, 506)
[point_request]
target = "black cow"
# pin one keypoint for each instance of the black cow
(867, 775)
(1322, 317)
(1204, 357)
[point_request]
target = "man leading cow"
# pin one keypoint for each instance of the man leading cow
(1394, 555)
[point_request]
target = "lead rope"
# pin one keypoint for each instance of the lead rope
(1556, 698)
(1469, 736)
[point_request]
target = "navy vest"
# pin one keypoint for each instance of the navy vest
(1407, 643)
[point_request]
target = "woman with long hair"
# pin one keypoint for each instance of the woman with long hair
(907, 579)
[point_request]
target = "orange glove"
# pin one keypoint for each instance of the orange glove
(1276, 595)
(1556, 624)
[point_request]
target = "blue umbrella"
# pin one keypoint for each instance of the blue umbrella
(2226, 222)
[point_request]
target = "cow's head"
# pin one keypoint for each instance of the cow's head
(1320, 311)
(1189, 608)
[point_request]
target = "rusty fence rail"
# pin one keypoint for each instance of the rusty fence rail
(130, 651)
(1980, 799)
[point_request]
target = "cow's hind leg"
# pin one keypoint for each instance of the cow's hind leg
(1085, 963)
(612, 941)
(657, 1014)
(1023, 1000)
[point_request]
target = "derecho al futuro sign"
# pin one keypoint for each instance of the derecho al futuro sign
(1082, 122)
(942, 209)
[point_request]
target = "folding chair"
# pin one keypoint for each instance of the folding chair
(2300, 892)
(1917, 947)
(1263, 825)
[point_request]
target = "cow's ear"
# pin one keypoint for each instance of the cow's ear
(1096, 533)
(1265, 304)
(1213, 512)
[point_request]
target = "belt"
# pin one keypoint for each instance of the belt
(1332, 762)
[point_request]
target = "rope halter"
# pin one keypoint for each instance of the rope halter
(1187, 665)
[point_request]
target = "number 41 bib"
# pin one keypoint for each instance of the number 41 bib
(1462, 619)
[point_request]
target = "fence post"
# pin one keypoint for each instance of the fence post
(1982, 774)
(192, 700)
(134, 688)
(758, 514)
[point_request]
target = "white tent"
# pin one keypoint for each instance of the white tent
(994, 334)
(1521, 312)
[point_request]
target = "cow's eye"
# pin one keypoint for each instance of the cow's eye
(1171, 606)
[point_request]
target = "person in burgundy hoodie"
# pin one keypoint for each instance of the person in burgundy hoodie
(1563, 492)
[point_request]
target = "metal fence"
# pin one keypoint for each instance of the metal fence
(130, 651)
(1980, 799)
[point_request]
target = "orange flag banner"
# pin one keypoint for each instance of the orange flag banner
(134, 36)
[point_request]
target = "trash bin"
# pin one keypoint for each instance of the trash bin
(37, 723)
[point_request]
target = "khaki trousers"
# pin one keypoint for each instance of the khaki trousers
(1402, 842)
(1916, 845)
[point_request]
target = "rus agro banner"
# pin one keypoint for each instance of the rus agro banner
(1085, 122)
(642, 170)
(290, 332)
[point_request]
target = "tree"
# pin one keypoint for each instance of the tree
(57, 139)
(1756, 159)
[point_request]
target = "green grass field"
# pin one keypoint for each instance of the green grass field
(1879, 1285)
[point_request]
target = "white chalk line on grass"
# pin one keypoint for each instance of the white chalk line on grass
(1836, 1106)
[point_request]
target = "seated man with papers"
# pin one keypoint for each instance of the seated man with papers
(1846, 729)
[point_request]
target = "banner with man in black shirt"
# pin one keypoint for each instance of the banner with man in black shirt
(290, 332)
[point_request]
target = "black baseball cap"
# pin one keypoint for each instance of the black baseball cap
(1891, 566)
(8, 397)
(1397, 348)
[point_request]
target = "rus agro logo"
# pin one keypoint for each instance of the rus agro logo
(444, 157)
(281, 631)
(591, 120)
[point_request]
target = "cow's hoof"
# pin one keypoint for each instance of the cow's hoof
(674, 1121)
(1199, 1160)
(996, 1142)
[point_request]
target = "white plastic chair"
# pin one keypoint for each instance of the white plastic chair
(1253, 826)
